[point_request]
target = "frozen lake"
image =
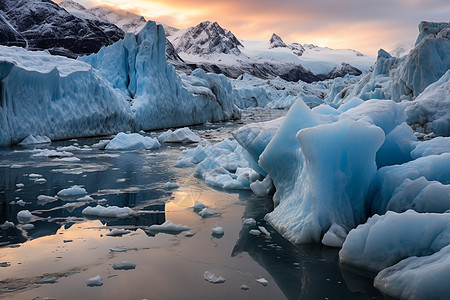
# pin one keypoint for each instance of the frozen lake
(65, 249)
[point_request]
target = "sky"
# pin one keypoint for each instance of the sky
(363, 25)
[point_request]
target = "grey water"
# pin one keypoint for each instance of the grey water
(69, 248)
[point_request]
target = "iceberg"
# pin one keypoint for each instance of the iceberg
(345, 150)
(136, 67)
(56, 97)
(108, 212)
(385, 240)
(127, 86)
(132, 141)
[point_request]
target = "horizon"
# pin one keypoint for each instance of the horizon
(364, 27)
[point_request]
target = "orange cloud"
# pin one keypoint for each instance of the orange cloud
(360, 25)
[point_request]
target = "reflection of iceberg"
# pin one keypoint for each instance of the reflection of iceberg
(301, 272)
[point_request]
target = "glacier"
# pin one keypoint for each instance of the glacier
(137, 69)
(127, 86)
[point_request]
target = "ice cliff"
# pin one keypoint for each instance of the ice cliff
(127, 86)
(136, 67)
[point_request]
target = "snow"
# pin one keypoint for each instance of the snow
(31, 140)
(124, 265)
(24, 216)
(73, 191)
(132, 141)
(210, 277)
(168, 227)
(94, 281)
(182, 135)
(108, 212)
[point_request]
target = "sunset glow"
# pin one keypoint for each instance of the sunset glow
(361, 25)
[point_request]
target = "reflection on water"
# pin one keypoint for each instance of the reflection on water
(66, 245)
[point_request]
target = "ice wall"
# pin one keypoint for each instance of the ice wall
(136, 66)
(57, 97)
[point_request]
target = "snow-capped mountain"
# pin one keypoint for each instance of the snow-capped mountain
(276, 42)
(125, 20)
(344, 69)
(214, 49)
(42, 24)
(207, 38)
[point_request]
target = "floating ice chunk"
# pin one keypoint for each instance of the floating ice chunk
(118, 249)
(184, 163)
(73, 191)
(198, 206)
(162, 137)
(168, 227)
(85, 198)
(48, 280)
(34, 176)
(43, 199)
(28, 226)
(67, 159)
(132, 141)
(68, 148)
(108, 212)
(213, 278)
(40, 181)
(244, 287)
(7, 225)
(4, 264)
(335, 236)
(218, 231)
(171, 185)
(118, 232)
(255, 232)
(263, 281)
(206, 213)
(16, 166)
(262, 188)
(182, 135)
(21, 202)
(101, 144)
(94, 281)
(51, 153)
(264, 231)
(20, 185)
(24, 216)
(124, 265)
(249, 222)
(38, 139)
(189, 234)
